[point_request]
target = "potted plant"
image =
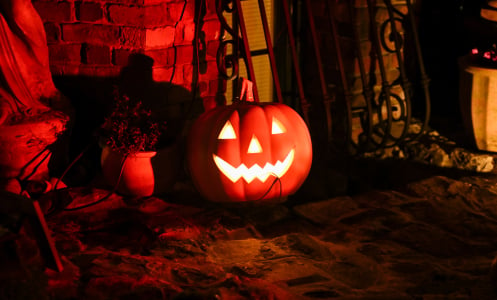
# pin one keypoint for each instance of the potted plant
(133, 156)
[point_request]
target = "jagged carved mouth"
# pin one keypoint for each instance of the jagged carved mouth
(249, 174)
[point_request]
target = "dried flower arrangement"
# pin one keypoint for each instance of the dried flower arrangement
(130, 128)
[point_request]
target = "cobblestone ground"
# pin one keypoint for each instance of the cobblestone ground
(426, 235)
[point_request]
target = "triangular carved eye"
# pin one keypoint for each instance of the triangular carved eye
(227, 133)
(277, 127)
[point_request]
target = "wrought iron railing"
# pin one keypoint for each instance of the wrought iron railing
(379, 113)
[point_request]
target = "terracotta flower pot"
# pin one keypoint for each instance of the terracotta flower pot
(144, 173)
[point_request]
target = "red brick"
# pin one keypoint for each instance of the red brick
(155, 2)
(179, 78)
(212, 72)
(209, 103)
(355, 84)
(99, 71)
(178, 33)
(64, 69)
(203, 82)
(162, 37)
(185, 33)
(52, 31)
(184, 55)
(90, 11)
(217, 87)
(163, 74)
(203, 89)
(355, 63)
(381, 14)
(149, 16)
(97, 54)
(120, 14)
(54, 11)
(102, 34)
(132, 37)
(212, 29)
(120, 56)
(161, 57)
(392, 75)
(212, 48)
(390, 61)
(187, 73)
(175, 11)
(402, 8)
(64, 52)
(211, 9)
(131, 2)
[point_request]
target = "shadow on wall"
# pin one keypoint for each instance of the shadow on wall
(93, 100)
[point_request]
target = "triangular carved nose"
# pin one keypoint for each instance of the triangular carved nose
(254, 146)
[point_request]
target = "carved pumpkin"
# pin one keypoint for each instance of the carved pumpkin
(249, 151)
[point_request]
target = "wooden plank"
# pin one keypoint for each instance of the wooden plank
(11, 203)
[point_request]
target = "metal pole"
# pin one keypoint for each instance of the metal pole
(269, 45)
(298, 75)
(246, 48)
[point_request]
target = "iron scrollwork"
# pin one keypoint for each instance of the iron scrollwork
(239, 43)
(394, 102)
(225, 61)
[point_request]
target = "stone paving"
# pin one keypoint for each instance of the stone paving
(425, 236)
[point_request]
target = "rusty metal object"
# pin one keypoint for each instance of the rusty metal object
(224, 61)
(378, 115)
(424, 79)
(343, 78)
(391, 108)
(382, 129)
(366, 113)
(246, 48)
(298, 74)
(319, 64)
(239, 35)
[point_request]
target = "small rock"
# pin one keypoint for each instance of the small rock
(473, 162)
(439, 157)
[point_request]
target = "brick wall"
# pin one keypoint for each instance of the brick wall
(345, 27)
(93, 39)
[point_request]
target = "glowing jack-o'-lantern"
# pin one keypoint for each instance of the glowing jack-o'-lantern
(249, 151)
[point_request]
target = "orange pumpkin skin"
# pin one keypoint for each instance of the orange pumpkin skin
(270, 138)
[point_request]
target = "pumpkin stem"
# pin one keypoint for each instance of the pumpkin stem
(247, 90)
